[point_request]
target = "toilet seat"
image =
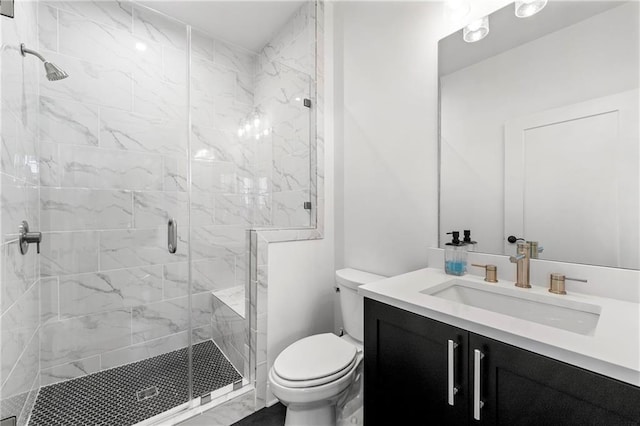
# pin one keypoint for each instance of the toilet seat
(314, 361)
(315, 382)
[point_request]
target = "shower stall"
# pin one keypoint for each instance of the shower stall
(144, 171)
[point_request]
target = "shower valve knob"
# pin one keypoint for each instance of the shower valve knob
(25, 238)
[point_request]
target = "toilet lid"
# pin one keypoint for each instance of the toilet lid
(314, 357)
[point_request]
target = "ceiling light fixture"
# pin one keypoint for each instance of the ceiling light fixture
(527, 8)
(476, 30)
(457, 10)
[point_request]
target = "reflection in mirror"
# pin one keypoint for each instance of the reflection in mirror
(539, 133)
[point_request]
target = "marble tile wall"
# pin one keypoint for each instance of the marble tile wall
(20, 315)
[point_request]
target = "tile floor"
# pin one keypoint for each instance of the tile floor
(112, 397)
(240, 415)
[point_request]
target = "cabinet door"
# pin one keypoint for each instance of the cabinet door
(406, 369)
(519, 387)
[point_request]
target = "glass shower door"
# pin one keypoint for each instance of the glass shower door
(99, 321)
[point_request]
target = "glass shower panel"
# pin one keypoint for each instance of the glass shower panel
(250, 166)
(284, 93)
(284, 158)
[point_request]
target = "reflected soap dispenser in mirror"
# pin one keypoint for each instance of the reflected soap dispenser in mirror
(471, 245)
(455, 255)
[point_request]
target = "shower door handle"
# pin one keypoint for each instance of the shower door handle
(172, 243)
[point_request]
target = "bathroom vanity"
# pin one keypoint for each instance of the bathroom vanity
(433, 353)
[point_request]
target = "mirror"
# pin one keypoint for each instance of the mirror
(539, 133)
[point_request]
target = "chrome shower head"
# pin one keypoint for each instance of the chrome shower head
(54, 72)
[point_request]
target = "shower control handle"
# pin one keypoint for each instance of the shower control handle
(25, 238)
(172, 243)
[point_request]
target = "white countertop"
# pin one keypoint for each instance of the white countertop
(613, 350)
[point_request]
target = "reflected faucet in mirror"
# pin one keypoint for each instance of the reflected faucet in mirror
(534, 248)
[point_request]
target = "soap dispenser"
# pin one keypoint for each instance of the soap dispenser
(471, 245)
(455, 255)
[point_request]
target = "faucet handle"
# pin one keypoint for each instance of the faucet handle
(534, 249)
(490, 272)
(556, 283)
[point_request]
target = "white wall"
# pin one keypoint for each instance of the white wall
(387, 138)
(603, 60)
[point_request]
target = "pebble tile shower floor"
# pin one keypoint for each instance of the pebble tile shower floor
(110, 397)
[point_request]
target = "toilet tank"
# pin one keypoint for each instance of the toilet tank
(351, 303)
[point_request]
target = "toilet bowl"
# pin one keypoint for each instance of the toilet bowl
(313, 374)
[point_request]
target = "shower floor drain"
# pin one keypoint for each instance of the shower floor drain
(147, 393)
(126, 395)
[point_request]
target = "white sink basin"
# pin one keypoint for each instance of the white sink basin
(577, 317)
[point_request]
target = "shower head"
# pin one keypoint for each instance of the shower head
(54, 72)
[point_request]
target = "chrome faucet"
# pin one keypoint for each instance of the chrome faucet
(521, 259)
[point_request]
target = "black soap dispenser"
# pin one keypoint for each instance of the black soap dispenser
(455, 255)
(471, 245)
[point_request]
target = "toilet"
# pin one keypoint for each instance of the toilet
(314, 375)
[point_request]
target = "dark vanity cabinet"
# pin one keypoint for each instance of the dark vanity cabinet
(419, 371)
(405, 368)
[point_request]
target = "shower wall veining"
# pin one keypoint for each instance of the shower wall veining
(98, 162)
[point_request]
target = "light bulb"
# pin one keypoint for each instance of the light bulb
(247, 127)
(256, 121)
(527, 8)
(141, 46)
(266, 132)
(476, 30)
(240, 132)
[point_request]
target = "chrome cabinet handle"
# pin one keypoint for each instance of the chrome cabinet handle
(172, 243)
(451, 388)
(477, 403)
